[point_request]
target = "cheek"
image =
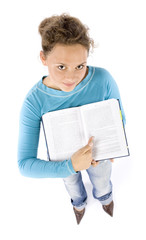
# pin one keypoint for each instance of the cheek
(57, 76)
(81, 74)
(60, 76)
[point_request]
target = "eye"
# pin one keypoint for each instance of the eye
(80, 67)
(61, 67)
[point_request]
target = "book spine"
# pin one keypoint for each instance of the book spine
(123, 127)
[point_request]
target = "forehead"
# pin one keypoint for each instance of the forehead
(69, 54)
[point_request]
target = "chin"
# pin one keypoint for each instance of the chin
(67, 90)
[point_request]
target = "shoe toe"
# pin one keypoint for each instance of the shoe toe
(109, 208)
(79, 215)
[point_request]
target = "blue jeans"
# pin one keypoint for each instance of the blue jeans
(100, 179)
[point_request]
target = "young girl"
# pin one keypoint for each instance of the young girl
(70, 83)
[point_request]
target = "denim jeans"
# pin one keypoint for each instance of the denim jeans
(100, 179)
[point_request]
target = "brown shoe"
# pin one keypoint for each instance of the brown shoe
(109, 208)
(79, 214)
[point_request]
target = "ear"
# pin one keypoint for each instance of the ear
(43, 58)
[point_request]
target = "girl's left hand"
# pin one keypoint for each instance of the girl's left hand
(95, 163)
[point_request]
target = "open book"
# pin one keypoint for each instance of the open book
(68, 130)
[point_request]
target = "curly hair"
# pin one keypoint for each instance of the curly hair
(63, 29)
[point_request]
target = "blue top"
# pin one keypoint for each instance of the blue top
(98, 85)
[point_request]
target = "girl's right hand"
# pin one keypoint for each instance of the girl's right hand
(82, 159)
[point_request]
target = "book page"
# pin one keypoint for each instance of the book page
(103, 121)
(64, 133)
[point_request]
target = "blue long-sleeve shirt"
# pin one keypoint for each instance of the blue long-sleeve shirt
(98, 85)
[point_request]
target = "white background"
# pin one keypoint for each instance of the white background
(36, 209)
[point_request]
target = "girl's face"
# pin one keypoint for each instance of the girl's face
(67, 66)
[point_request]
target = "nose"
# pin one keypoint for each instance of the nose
(70, 77)
(69, 80)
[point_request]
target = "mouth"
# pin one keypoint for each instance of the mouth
(69, 84)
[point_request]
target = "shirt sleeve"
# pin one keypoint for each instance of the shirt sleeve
(28, 163)
(113, 92)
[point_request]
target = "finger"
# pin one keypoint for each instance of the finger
(89, 145)
(94, 163)
(112, 160)
(90, 142)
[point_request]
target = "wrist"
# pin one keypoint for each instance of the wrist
(70, 166)
(74, 166)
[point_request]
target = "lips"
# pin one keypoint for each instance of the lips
(69, 84)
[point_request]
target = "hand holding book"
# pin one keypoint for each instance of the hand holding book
(82, 159)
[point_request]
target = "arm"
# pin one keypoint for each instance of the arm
(28, 163)
(113, 92)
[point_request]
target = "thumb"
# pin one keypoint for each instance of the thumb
(90, 142)
(89, 145)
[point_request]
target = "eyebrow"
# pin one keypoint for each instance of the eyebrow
(66, 64)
